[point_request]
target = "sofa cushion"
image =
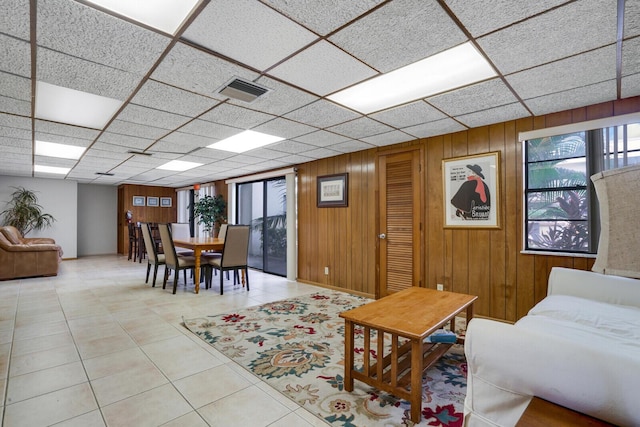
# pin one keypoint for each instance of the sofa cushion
(11, 236)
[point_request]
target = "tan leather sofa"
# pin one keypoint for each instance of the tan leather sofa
(27, 257)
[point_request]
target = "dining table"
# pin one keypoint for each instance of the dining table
(199, 244)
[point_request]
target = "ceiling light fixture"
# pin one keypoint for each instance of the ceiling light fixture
(62, 151)
(165, 15)
(51, 169)
(179, 165)
(245, 141)
(64, 105)
(453, 68)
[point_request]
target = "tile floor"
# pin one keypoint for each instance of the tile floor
(96, 346)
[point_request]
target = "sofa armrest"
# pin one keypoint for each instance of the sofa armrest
(32, 247)
(594, 286)
(508, 365)
(38, 240)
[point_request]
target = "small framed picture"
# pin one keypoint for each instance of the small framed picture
(165, 202)
(333, 190)
(152, 201)
(138, 200)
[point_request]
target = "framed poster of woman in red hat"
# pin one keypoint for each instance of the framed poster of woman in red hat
(471, 191)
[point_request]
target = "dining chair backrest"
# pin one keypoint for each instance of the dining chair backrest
(180, 230)
(236, 246)
(148, 242)
(223, 232)
(132, 231)
(170, 256)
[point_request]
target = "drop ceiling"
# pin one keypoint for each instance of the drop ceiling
(548, 55)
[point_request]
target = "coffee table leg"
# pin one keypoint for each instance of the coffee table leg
(348, 355)
(416, 380)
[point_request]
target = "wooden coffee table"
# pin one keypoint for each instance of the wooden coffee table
(412, 314)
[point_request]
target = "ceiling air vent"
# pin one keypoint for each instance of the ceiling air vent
(242, 90)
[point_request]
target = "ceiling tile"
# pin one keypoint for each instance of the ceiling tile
(360, 128)
(291, 147)
(86, 76)
(631, 56)
(233, 115)
(577, 71)
(53, 161)
(15, 106)
(322, 138)
(15, 18)
(351, 146)
(314, 14)
(389, 138)
(481, 96)
(66, 130)
(573, 98)
(322, 114)
(411, 29)
(209, 129)
(258, 155)
(60, 139)
(124, 140)
(631, 18)
(167, 98)
(489, 116)
(631, 85)
(481, 16)
(15, 56)
(84, 32)
(151, 117)
(196, 71)
(180, 142)
(438, 127)
(281, 99)
(134, 129)
(321, 153)
(309, 69)
(19, 144)
(15, 133)
(527, 44)
(12, 121)
(15, 87)
(408, 115)
(284, 128)
(248, 31)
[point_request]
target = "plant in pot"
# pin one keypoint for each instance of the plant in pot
(24, 212)
(210, 212)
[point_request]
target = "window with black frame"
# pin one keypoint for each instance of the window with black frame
(561, 211)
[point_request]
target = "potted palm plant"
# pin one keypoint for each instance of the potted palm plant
(24, 212)
(210, 212)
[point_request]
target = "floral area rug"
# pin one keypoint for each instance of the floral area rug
(297, 346)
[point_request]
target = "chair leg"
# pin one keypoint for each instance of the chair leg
(246, 277)
(184, 273)
(175, 281)
(166, 277)
(221, 280)
(148, 271)
(155, 274)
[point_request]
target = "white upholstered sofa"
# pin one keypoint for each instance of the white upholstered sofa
(579, 348)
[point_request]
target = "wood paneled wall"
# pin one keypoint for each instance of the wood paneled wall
(487, 263)
(142, 213)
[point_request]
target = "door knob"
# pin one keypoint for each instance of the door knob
(382, 236)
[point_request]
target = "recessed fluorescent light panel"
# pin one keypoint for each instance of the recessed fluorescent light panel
(179, 165)
(165, 15)
(453, 68)
(51, 169)
(60, 104)
(245, 141)
(62, 151)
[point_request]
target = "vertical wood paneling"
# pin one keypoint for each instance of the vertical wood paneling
(488, 263)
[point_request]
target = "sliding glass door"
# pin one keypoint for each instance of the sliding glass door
(263, 205)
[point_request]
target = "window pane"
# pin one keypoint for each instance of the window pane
(561, 204)
(558, 235)
(556, 147)
(558, 174)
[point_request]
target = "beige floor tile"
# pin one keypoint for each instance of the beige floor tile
(101, 346)
(39, 319)
(51, 408)
(32, 362)
(310, 418)
(192, 419)
(125, 384)
(152, 408)
(37, 383)
(284, 400)
(6, 336)
(115, 363)
(90, 419)
(5, 353)
(290, 420)
(148, 330)
(224, 412)
(180, 357)
(107, 329)
(39, 344)
(40, 330)
(210, 385)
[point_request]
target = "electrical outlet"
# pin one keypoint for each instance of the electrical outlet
(326, 271)
(440, 287)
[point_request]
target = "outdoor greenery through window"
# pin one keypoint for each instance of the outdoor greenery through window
(561, 205)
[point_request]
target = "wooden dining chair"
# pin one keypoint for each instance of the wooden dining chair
(171, 258)
(234, 255)
(153, 257)
(133, 241)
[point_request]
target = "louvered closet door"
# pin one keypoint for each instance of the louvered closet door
(399, 238)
